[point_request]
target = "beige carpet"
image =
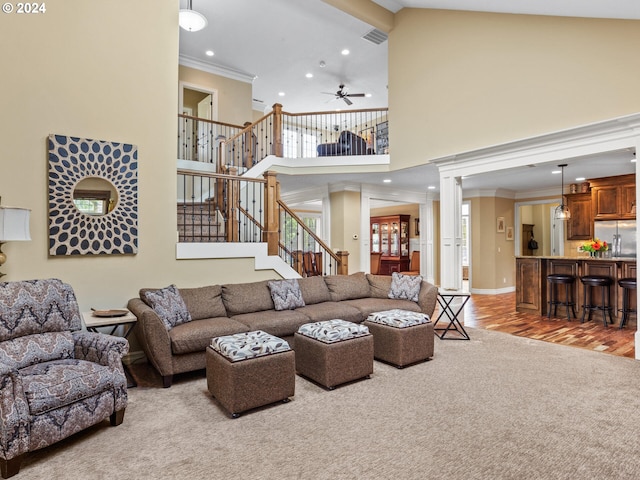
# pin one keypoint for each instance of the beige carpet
(496, 407)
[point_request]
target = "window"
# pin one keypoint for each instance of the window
(309, 145)
(290, 143)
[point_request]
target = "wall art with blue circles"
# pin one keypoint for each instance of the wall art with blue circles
(75, 232)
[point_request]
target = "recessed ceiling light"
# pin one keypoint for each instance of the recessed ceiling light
(281, 94)
(345, 51)
(210, 53)
(556, 172)
(368, 95)
(309, 75)
(580, 179)
(387, 180)
(633, 160)
(431, 187)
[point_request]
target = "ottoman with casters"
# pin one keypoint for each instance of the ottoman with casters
(401, 337)
(250, 370)
(334, 352)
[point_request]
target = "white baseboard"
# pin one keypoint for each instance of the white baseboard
(492, 291)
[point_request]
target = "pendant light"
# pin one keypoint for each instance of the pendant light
(191, 20)
(562, 211)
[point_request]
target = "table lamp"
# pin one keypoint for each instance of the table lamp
(14, 227)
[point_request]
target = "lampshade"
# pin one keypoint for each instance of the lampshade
(14, 224)
(191, 20)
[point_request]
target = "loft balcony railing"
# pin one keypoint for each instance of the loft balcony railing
(283, 134)
(215, 207)
(199, 139)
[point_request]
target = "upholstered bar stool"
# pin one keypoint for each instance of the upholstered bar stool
(554, 280)
(627, 284)
(604, 283)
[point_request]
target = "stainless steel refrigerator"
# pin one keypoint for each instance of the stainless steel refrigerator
(619, 234)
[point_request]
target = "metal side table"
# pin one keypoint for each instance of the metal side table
(450, 311)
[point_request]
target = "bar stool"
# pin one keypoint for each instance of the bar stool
(627, 285)
(605, 287)
(560, 279)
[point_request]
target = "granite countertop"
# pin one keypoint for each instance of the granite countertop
(581, 257)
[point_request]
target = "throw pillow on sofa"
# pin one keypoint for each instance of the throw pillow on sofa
(169, 306)
(405, 287)
(286, 294)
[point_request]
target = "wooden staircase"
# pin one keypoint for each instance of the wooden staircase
(200, 222)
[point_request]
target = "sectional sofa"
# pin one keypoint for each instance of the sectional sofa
(217, 310)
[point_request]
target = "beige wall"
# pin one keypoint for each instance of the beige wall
(94, 70)
(492, 255)
(459, 81)
(345, 222)
(234, 96)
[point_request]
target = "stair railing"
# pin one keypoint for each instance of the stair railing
(215, 207)
(199, 139)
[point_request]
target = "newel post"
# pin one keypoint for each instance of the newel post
(233, 197)
(277, 148)
(270, 235)
(343, 265)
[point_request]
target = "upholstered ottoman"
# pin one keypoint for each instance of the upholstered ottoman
(249, 370)
(334, 352)
(401, 337)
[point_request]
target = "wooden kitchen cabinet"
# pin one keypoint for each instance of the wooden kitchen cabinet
(613, 198)
(580, 225)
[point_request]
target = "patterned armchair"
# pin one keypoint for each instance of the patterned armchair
(55, 379)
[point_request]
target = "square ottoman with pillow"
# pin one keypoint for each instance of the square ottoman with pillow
(400, 337)
(250, 370)
(334, 352)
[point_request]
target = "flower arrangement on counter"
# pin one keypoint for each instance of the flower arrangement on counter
(595, 245)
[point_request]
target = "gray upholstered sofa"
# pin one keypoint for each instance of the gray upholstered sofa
(233, 308)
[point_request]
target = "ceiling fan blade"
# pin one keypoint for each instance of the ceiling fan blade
(347, 101)
(355, 94)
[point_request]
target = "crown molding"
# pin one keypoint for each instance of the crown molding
(227, 72)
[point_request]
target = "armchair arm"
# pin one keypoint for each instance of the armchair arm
(153, 336)
(14, 414)
(427, 298)
(100, 348)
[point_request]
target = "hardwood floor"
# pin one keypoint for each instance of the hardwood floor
(497, 312)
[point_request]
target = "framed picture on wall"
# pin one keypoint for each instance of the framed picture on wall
(500, 225)
(509, 233)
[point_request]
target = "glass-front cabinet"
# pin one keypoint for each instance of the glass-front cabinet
(390, 235)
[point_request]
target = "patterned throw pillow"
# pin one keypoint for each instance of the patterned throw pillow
(405, 287)
(286, 294)
(169, 306)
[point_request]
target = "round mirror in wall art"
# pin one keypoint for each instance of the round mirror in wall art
(93, 197)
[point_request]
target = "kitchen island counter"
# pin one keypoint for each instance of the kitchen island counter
(532, 289)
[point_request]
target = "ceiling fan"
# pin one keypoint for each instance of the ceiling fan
(342, 94)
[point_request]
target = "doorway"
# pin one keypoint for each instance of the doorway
(196, 139)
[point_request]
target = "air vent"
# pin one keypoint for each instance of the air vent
(375, 36)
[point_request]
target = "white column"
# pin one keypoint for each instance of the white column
(427, 235)
(450, 231)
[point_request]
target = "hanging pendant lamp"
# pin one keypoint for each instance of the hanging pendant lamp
(562, 211)
(191, 20)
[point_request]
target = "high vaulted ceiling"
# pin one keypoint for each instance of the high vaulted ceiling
(277, 42)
